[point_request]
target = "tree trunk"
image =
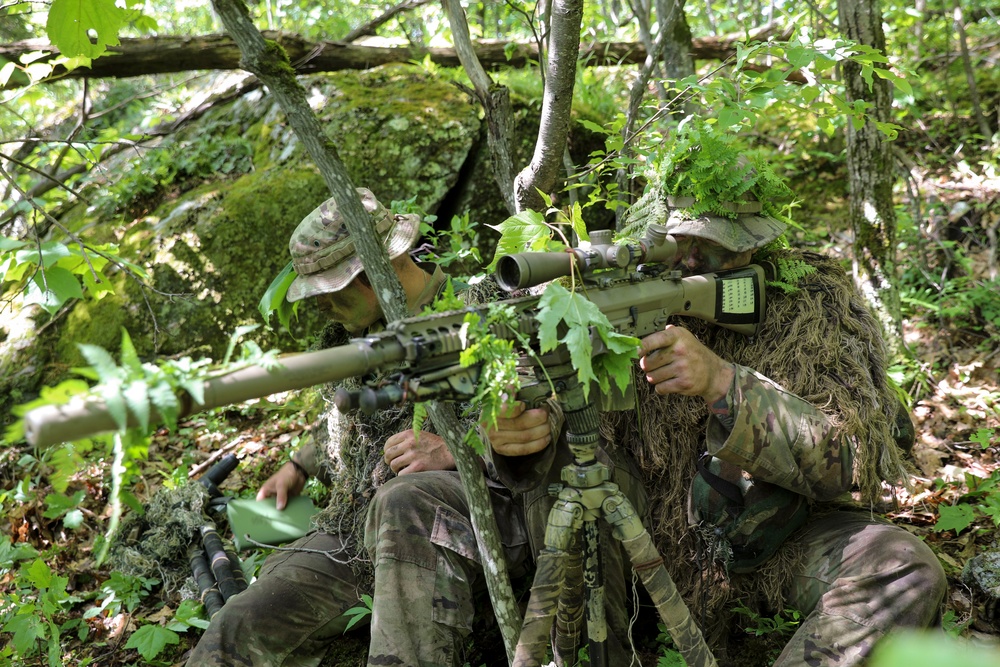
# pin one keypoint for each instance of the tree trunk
(678, 60)
(564, 49)
(164, 55)
(870, 172)
(496, 104)
(970, 75)
(269, 63)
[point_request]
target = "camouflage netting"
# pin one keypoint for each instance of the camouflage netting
(155, 544)
(820, 343)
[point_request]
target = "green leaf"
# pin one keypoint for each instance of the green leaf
(274, 297)
(581, 352)
(66, 462)
(39, 574)
(163, 397)
(359, 612)
(196, 388)
(46, 255)
(954, 517)
(5, 73)
(130, 359)
(70, 22)
(101, 361)
(73, 519)
(57, 504)
(191, 613)
(27, 629)
(553, 303)
(115, 403)
(593, 127)
(579, 226)
(239, 333)
(983, 437)
(526, 230)
(136, 394)
(150, 640)
(51, 288)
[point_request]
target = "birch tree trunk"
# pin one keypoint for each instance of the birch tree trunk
(870, 172)
(270, 64)
(557, 101)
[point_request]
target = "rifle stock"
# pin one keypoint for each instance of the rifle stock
(425, 350)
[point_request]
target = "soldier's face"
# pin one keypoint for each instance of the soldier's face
(355, 306)
(697, 255)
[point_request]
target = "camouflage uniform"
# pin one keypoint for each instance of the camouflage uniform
(294, 610)
(853, 576)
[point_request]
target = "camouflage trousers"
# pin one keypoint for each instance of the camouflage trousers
(427, 572)
(861, 578)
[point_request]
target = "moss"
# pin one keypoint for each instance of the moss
(95, 323)
(275, 61)
(213, 243)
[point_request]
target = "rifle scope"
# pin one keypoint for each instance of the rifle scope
(527, 269)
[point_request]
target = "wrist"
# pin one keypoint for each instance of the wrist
(720, 386)
(300, 469)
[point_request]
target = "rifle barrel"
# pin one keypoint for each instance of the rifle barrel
(52, 424)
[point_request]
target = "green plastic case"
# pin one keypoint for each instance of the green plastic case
(262, 522)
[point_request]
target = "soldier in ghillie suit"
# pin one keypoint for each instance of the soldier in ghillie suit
(294, 610)
(750, 449)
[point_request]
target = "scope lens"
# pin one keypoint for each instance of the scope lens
(508, 273)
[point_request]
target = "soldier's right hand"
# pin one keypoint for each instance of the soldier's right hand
(287, 483)
(520, 432)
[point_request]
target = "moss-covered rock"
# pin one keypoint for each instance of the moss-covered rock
(207, 211)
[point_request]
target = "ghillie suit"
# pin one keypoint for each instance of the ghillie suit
(821, 344)
(351, 463)
(155, 544)
(353, 466)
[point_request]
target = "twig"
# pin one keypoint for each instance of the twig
(201, 467)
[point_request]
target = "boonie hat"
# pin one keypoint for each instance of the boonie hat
(747, 231)
(323, 252)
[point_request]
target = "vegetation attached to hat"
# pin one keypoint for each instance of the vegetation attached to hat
(716, 168)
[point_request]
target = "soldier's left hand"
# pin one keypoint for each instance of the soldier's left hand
(676, 362)
(406, 452)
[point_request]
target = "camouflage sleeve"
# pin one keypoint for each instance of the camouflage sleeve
(780, 438)
(309, 457)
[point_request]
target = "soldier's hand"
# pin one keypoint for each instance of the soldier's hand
(408, 452)
(676, 362)
(288, 482)
(520, 432)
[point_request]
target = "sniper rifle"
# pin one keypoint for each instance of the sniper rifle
(630, 282)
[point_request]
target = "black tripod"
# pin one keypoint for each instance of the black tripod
(586, 496)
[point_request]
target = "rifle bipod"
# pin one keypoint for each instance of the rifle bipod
(586, 497)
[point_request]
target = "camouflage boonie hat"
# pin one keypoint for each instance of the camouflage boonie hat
(748, 231)
(323, 253)
(747, 519)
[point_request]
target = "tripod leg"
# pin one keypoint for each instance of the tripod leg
(534, 639)
(593, 579)
(676, 617)
(569, 616)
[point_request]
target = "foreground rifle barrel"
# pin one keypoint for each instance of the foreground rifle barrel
(53, 424)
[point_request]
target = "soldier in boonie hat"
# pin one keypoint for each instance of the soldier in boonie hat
(323, 252)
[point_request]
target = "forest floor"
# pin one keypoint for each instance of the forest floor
(959, 399)
(956, 413)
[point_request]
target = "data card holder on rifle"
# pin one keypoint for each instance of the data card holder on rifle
(259, 521)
